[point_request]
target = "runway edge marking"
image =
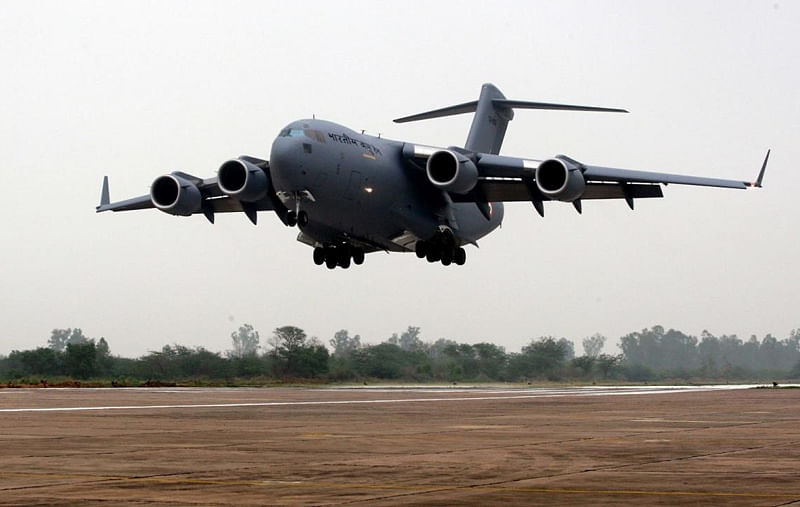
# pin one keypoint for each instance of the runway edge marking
(337, 402)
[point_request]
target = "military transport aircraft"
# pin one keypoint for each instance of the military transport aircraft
(351, 193)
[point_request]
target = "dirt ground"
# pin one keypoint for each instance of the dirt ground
(389, 447)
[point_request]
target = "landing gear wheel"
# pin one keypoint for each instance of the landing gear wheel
(330, 257)
(330, 261)
(343, 256)
(421, 249)
(447, 256)
(460, 256)
(291, 218)
(319, 256)
(302, 219)
(358, 256)
(434, 255)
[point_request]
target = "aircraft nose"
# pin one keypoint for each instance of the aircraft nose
(283, 151)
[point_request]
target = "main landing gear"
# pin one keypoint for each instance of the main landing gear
(338, 255)
(441, 248)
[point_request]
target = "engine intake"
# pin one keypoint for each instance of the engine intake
(451, 171)
(242, 180)
(560, 180)
(175, 195)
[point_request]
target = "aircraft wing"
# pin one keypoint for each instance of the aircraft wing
(207, 187)
(512, 167)
(503, 178)
(213, 199)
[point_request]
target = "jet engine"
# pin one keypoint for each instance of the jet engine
(560, 180)
(451, 171)
(175, 195)
(242, 180)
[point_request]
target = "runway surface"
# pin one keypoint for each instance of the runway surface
(387, 446)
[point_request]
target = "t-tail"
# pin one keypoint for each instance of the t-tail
(492, 114)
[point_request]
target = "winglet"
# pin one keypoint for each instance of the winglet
(105, 200)
(760, 178)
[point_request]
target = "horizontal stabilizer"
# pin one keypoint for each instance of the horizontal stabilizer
(467, 107)
(470, 107)
(521, 104)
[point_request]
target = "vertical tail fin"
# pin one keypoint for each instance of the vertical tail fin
(489, 123)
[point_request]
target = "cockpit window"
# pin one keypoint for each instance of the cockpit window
(291, 133)
(314, 134)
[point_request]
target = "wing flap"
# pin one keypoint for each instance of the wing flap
(229, 205)
(511, 190)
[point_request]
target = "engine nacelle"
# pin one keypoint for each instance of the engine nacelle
(242, 180)
(451, 171)
(560, 180)
(175, 195)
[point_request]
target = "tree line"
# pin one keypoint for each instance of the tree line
(289, 354)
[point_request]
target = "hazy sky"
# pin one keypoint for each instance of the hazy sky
(138, 89)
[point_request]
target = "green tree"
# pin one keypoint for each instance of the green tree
(295, 356)
(541, 358)
(60, 338)
(593, 345)
(41, 361)
(288, 338)
(408, 339)
(584, 363)
(104, 361)
(385, 360)
(245, 342)
(80, 360)
(342, 343)
(491, 359)
(307, 361)
(608, 365)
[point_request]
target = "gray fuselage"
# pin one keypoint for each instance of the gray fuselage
(361, 189)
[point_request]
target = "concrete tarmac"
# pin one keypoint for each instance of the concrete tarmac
(428, 446)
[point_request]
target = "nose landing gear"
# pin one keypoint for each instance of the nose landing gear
(296, 218)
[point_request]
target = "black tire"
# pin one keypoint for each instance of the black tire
(291, 218)
(358, 256)
(302, 219)
(331, 258)
(343, 256)
(434, 255)
(460, 256)
(447, 256)
(421, 249)
(319, 256)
